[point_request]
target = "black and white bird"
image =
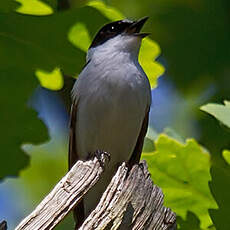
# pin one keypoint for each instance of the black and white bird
(111, 102)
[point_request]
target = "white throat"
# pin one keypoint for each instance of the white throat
(120, 45)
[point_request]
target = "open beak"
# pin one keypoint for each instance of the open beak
(136, 26)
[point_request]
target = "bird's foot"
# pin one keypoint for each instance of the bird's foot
(102, 157)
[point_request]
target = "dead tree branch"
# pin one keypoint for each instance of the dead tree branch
(65, 195)
(131, 201)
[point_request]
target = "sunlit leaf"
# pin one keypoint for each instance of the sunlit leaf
(148, 53)
(226, 156)
(182, 171)
(34, 7)
(79, 36)
(109, 12)
(51, 80)
(220, 112)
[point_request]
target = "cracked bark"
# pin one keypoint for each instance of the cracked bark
(131, 201)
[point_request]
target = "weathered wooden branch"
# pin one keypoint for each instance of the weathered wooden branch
(65, 195)
(131, 201)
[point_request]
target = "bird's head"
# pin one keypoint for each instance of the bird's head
(119, 36)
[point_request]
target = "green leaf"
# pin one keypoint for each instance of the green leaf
(34, 7)
(19, 123)
(220, 187)
(79, 36)
(109, 12)
(226, 156)
(148, 53)
(182, 171)
(220, 112)
(51, 80)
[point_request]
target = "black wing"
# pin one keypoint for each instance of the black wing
(136, 155)
(78, 211)
(73, 155)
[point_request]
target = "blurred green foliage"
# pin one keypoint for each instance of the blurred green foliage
(28, 44)
(219, 187)
(40, 42)
(220, 183)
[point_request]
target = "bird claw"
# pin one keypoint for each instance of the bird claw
(102, 157)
